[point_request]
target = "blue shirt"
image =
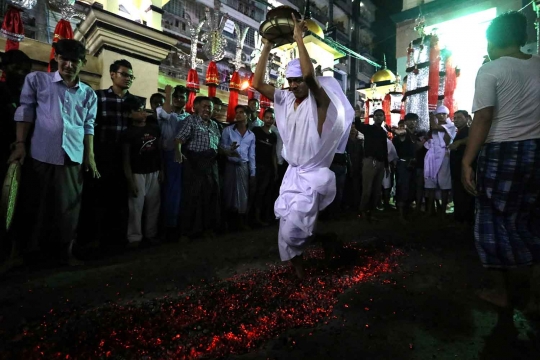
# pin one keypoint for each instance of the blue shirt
(62, 116)
(169, 125)
(246, 148)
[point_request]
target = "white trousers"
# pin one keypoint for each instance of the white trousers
(148, 201)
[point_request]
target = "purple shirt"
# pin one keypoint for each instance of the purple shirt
(62, 116)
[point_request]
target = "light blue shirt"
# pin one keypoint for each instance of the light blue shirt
(246, 148)
(169, 125)
(62, 116)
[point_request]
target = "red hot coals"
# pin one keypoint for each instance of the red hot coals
(226, 317)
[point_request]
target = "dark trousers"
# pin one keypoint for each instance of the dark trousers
(405, 183)
(372, 176)
(57, 201)
(172, 191)
(463, 201)
(266, 178)
(200, 200)
(104, 214)
(340, 171)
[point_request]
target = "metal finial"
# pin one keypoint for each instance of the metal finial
(384, 60)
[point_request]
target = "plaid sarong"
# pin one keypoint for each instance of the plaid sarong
(508, 183)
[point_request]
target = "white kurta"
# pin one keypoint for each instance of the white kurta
(392, 156)
(437, 160)
(309, 185)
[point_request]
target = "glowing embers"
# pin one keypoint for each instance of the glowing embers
(226, 317)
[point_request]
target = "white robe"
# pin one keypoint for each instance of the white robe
(392, 156)
(437, 160)
(309, 185)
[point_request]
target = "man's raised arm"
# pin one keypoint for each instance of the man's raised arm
(258, 78)
(308, 72)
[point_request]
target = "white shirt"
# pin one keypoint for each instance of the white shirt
(169, 125)
(512, 87)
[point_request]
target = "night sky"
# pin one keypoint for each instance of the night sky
(385, 31)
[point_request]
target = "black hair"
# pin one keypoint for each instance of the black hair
(250, 100)
(200, 99)
(216, 100)
(508, 29)
(180, 90)
(400, 122)
(240, 107)
(411, 116)
(14, 57)
(381, 110)
(118, 63)
(70, 49)
(463, 112)
(132, 103)
(156, 95)
(268, 110)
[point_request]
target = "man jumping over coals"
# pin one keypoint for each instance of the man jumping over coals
(312, 117)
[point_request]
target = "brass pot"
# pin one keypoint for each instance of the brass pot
(279, 25)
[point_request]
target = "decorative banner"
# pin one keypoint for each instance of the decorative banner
(214, 41)
(192, 83)
(67, 9)
(62, 30)
(12, 28)
(212, 78)
(193, 86)
(418, 66)
(396, 107)
(214, 46)
(234, 87)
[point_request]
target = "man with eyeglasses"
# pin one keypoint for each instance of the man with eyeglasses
(62, 110)
(105, 211)
(312, 117)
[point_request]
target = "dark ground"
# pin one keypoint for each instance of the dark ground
(424, 309)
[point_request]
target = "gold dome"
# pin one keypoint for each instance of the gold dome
(383, 75)
(315, 28)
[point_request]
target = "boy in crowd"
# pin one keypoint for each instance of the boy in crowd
(143, 171)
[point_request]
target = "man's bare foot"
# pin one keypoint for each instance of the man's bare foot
(495, 297)
(298, 264)
(72, 261)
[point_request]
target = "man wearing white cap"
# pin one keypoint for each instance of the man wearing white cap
(312, 117)
(437, 161)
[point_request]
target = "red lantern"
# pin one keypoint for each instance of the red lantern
(212, 79)
(12, 28)
(433, 82)
(366, 112)
(386, 108)
(193, 87)
(62, 30)
(234, 87)
(449, 87)
(251, 92)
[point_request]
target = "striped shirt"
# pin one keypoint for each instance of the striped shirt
(111, 121)
(62, 116)
(197, 135)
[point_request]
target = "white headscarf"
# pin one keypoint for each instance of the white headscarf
(294, 70)
(442, 110)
